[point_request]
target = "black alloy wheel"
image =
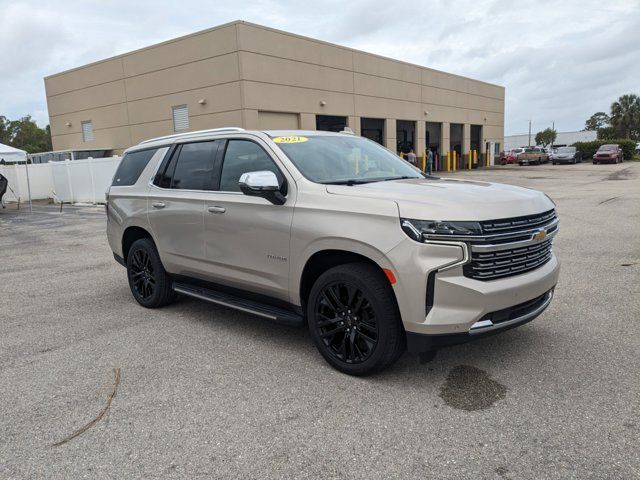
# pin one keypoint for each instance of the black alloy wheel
(346, 322)
(150, 284)
(142, 274)
(354, 319)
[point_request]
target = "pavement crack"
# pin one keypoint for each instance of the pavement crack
(86, 427)
(608, 200)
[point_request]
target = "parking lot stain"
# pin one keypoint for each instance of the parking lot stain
(502, 471)
(469, 388)
(619, 175)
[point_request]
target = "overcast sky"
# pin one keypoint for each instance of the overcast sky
(559, 60)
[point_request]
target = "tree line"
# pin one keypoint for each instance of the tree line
(622, 121)
(25, 134)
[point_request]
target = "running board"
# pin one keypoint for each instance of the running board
(275, 314)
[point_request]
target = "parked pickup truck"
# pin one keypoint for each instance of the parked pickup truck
(331, 231)
(533, 156)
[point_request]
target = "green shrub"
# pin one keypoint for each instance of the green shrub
(588, 149)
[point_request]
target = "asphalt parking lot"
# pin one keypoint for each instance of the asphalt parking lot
(206, 392)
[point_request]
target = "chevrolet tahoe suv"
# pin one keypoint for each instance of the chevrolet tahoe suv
(333, 231)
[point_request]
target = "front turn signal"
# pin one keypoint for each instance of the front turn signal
(390, 276)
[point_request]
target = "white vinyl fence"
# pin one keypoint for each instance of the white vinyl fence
(75, 181)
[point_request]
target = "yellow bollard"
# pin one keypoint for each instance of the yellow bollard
(455, 160)
(424, 160)
(469, 160)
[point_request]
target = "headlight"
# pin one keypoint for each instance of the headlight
(417, 229)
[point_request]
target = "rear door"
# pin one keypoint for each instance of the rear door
(176, 203)
(247, 238)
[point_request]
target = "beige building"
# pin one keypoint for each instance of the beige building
(246, 75)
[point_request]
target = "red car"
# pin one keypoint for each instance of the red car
(508, 157)
(608, 154)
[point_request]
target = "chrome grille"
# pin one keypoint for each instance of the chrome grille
(511, 225)
(510, 247)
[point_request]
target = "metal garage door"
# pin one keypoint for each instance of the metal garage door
(278, 121)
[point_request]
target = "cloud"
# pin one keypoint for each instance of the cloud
(559, 61)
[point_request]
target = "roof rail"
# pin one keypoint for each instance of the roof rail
(196, 133)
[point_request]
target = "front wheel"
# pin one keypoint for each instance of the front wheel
(354, 319)
(150, 284)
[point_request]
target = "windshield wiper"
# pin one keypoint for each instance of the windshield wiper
(387, 179)
(349, 182)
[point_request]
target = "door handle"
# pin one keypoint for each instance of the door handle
(158, 205)
(217, 210)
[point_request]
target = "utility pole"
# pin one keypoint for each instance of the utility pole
(553, 127)
(529, 134)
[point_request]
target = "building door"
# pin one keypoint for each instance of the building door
(455, 136)
(373, 129)
(476, 137)
(278, 121)
(330, 123)
(405, 135)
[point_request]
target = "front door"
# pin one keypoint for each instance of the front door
(247, 238)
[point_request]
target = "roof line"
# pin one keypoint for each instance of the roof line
(263, 27)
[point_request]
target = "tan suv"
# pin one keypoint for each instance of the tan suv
(335, 231)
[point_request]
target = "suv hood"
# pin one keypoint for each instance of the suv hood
(450, 199)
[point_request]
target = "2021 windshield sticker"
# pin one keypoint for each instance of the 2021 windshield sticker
(290, 139)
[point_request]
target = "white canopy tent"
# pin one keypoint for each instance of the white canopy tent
(11, 154)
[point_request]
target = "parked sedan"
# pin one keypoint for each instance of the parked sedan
(508, 157)
(566, 155)
(608, 154)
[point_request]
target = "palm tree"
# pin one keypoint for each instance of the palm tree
(625, 116)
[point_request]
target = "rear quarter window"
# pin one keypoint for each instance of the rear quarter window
(131, 167)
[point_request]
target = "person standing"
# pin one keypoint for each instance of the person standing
(429, 161)
(411, 157)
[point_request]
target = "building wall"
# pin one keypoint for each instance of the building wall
(563, 138)
(257, 77)
(129, 98)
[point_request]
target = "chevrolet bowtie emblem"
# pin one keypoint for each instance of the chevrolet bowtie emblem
(539, 236)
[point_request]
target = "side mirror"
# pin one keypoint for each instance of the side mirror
(262, 184)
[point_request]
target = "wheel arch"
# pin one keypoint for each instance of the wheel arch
(323, 260)
(130, 235)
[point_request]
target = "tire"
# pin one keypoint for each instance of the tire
(150, 284)
(354, 319)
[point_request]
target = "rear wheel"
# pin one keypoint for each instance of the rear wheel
(354, 320)
(150, 284)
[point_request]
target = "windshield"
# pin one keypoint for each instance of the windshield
(607, 147)
(344, 159)
(567, 150)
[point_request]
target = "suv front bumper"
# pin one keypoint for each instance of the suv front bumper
(453, 308)
(488, 326)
